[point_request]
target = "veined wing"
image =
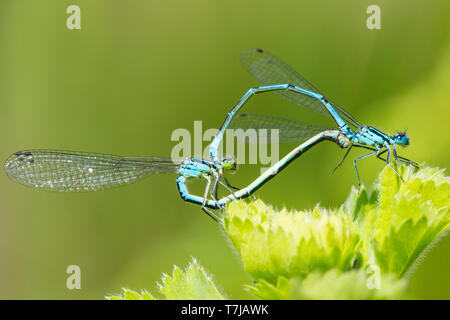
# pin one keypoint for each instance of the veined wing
(270, 70)
(289, 131)
(68, 171)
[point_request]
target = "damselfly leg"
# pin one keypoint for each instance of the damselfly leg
(401, 159)
(205, 197)
(388, 162)
(360, 158)
(345, 156)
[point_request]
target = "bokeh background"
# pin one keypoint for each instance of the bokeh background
(138, 70)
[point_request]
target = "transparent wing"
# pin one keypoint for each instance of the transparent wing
(289, 131)
(67, 171)
(268, 70)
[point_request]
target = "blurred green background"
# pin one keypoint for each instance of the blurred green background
(137, 70)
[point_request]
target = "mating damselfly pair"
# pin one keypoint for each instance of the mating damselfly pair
(65, 171)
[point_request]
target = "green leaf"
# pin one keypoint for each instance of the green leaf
(334, 284)
(191, 284)
(387, 228)
(409, 218)
(291, 244)
(128, 294)
(359, 201)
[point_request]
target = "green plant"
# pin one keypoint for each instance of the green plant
(363, 250)
(192, 283)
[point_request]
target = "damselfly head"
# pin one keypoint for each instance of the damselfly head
(229, 164)
(401, 139)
